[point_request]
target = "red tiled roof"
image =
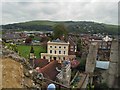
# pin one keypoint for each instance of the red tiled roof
(49, 71)
(41, 62)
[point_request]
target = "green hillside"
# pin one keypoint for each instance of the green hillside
(72, 26)
(38, 22)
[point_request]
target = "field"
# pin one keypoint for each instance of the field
(25, 50)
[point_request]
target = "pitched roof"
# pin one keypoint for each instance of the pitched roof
(71, 41)
(58, 40)
(49, 71)
(41, 62)
(11, 36)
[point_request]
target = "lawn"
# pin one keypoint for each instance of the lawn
(24, 50)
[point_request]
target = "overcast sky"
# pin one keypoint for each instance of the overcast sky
(104, 11)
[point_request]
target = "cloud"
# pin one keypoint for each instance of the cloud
(105, 12)
(60, 0)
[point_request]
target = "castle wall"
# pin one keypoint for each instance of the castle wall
(113, 67)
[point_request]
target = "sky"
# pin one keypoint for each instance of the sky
(103, 11)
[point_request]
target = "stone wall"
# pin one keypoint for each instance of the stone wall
(91, 58)
(113, 67)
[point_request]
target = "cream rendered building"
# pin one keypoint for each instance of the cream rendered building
(57, 50)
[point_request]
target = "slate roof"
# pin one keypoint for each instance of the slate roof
(11, 36)
(58, 40)
(71, 41)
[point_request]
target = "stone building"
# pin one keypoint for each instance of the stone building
(113, 67)
(57, 50)
(72, 46)
(65, 74)
(104, 46)
(91, 60)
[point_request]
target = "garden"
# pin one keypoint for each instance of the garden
(24, 50)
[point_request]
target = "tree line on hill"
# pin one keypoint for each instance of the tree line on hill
(73, 27)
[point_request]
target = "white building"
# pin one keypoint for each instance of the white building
(107, 39)
(57, 50)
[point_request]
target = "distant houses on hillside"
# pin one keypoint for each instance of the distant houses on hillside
(20, 37)
(14, 37)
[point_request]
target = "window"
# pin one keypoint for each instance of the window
(50, 46)
(59, 46)
(50, 58)
(44, 57)
(71, 49)
(63, 58)
(55, 51)
(59, 52)
(50, 51)
(54, 58)
(64, 52)
(64, 47)
(55, 46)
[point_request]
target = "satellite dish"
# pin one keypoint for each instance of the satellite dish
(51, 86)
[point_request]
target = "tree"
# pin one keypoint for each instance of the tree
(79, 46)
(81, 67)
(31, 36)
(28, 40)
(59, 31)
